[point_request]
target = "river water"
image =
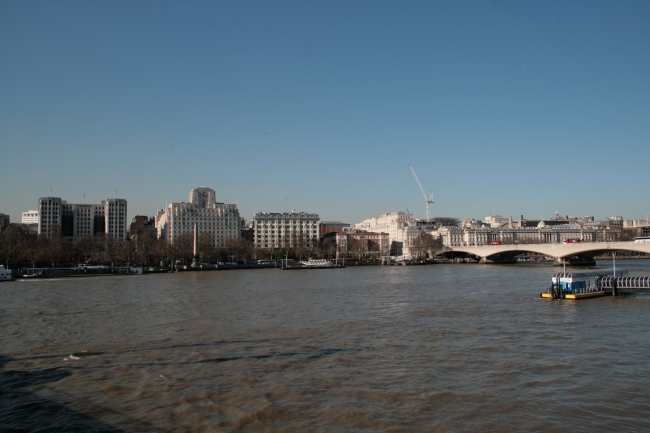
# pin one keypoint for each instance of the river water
(397, 349)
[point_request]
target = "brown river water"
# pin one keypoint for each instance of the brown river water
(441, 348)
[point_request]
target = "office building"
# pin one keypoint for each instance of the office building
(401, 227)
(216, 222)
(288, 229)
(4, 221)
(75, 220)
(30, 217)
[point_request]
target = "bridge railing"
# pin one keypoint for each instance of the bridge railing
(626, 282)
(542, 243)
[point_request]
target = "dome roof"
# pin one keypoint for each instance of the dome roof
(541, 224)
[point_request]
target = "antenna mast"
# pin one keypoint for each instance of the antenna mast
(427, 199)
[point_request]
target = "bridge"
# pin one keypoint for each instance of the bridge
(579, 253)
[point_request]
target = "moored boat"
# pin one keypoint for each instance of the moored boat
(5, 274)
(317, 263)
(313, 264)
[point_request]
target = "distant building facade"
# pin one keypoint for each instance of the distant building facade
(401, 227)
(363, 243)
(217, 222)
(30, 217)
(457, 236)
(4, 221)
(636, 223)
(142, 226)
(247, 232)
(495, 221)
(325, 227)
(75, 220)
(288, 229)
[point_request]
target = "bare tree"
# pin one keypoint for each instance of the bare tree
(183, 247)
(12, 241)
(425, 243)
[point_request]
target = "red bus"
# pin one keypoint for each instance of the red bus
(571, 241)
(495, 243)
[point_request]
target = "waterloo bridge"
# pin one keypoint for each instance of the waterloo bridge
(578, 253)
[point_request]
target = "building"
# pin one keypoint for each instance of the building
(362, 243)
(326, 227)
(555, 221)
(247, 232)
(635, 223)
(30, 217)
(142, 226)
(4, 221)
(216, 222)
(613, 223)
(457, 236)
(29, 221)
(277, 230)
(75, 220)
(401, 227)
(495, 221)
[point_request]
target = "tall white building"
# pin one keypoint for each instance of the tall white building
(495, 221)
(401, 227)
(218, 222)
(76, 220)
(30, 217)
(288, 229)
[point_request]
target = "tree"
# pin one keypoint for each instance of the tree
(425, 243)
(161, 252)
(206, 247)
(59, 249)
(144, 243)
(327, 248)
(91, 249)
(353, 246)
(12, 241)
(183, 247)
(34, 249)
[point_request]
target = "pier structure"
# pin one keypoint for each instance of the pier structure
(595, 283)
(625, 285)
(564, 253)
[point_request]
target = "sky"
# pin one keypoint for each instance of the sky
(502, 107)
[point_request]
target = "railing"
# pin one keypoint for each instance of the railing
(471, 244)
(590, 289)
(625, 282)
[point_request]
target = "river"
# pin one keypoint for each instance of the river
(442, 348)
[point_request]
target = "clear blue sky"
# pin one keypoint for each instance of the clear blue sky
(519, 107)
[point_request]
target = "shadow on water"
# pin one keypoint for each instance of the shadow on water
(24, 411)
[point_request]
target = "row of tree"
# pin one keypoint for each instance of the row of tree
(20, 248)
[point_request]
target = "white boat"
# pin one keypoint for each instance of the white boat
(317, 263)
(5, 274)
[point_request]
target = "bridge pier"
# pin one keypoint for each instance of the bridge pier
(559, 261)
(577, 261)
(499, 261)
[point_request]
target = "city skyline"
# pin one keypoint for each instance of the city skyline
(502, 108)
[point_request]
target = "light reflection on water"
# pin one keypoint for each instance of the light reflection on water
(445, 348)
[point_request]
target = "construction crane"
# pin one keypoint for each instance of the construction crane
(427, 199)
